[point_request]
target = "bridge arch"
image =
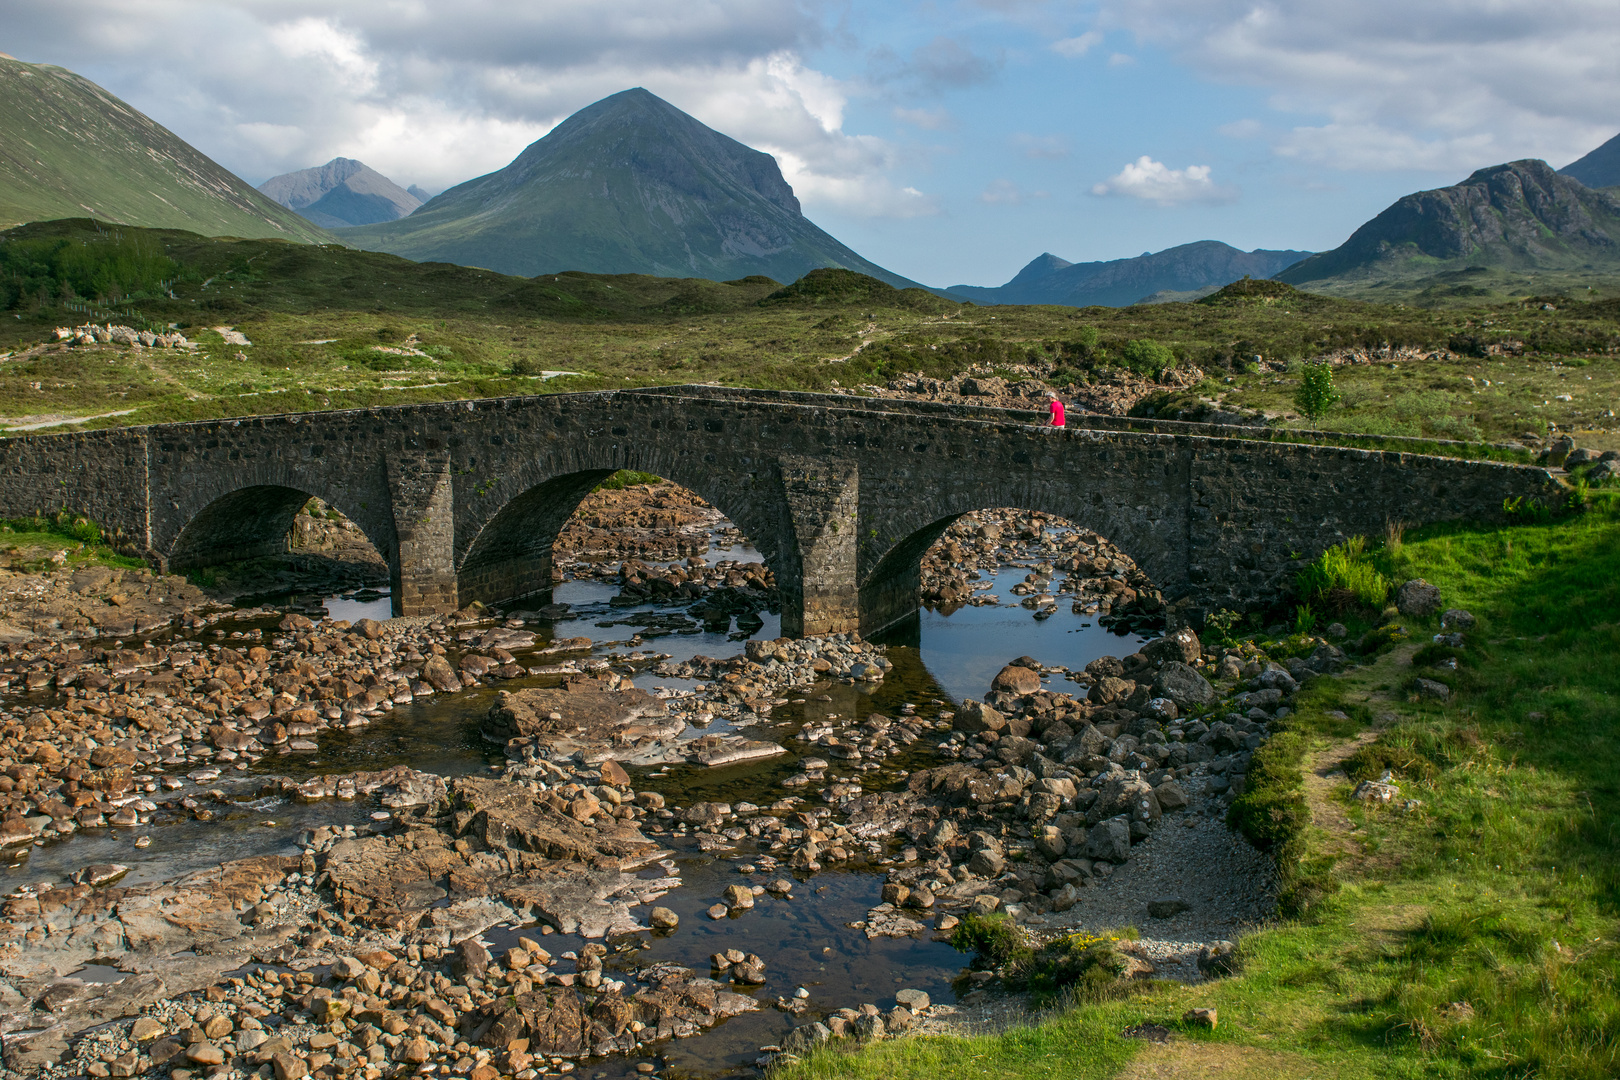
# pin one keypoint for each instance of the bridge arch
(254, 522)
(890, 577)
(505, 552)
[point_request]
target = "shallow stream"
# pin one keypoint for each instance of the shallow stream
(805, 940)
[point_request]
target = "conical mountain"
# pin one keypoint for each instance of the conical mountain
(341, 193)
(68, 148)
(629, 185)
(1520, 216)
(1600, 168)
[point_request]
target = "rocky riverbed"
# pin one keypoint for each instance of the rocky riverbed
(652, 845)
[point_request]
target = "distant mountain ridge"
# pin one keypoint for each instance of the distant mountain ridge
(1189, 268)
(341, 193)
(1600, 168)
(628, 185)
(1521, 215)
(68, 148)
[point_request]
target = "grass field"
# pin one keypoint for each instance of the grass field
(332, 328)
(1471, 934)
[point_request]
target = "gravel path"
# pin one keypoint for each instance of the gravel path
(1227, 885)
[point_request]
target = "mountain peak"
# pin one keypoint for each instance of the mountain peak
(675, 148)
(1600, 168)
(341, 193)
(629, 184)
(1520, 213)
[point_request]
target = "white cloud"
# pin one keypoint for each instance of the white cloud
(435, 92)
(1120, 59)
(1389, 84)
(1074, 47)
(1155, 182)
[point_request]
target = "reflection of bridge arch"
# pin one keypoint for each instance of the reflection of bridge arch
(840, 494)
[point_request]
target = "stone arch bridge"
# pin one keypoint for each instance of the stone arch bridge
(842, 495)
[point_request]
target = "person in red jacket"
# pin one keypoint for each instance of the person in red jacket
(1056, 408)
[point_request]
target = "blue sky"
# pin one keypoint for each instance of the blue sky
(951, 141)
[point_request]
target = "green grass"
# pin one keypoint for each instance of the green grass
(1499, 887)
(1077, 1045)
(30, 543)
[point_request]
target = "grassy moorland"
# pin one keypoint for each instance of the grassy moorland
(1471, 928)
(332, 327)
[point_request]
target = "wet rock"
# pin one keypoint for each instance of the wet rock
(592, 716)
(1016, 680)
(807, 1037)
(662, 918)
(99, 875)
(438, 673)
(470, 960)
(916, 1001)
(975, 716)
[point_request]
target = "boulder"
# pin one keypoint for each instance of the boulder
(1105, 667)
(1016, 680)
(975, 716)
(1110, 840)
(438, 673)
(1456, 619)
(1171, 796)
(987, 863)
(1109, 689)
(1183, 685)
(1182, 646)
(1417, 599)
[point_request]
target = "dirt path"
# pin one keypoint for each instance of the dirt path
(1324, 771)
(1182, 1060)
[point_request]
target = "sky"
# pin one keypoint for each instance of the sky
(950, 141)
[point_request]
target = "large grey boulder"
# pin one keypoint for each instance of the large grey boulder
(1181, 645)
(1183, 685)
(1417, 599)
(1110, 840)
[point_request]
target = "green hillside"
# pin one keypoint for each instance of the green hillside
(68, 148)
(335, 327)
(629, 185)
